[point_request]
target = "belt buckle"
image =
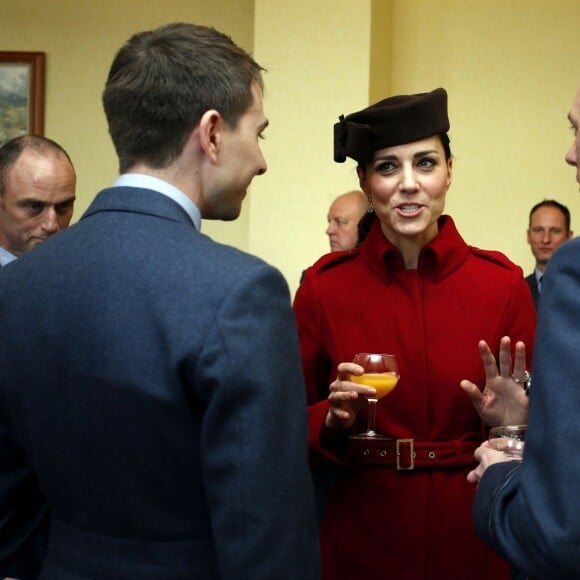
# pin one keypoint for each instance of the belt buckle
(411, 465)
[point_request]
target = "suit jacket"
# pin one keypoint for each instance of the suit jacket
(531, 514)
(533, 284)
(152, 407)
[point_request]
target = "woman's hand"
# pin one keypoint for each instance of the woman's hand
(346, 398)
(503, 401)
(486, 457)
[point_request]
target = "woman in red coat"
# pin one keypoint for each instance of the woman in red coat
(401, 509)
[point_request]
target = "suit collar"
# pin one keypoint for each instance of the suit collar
(143, 181)
(137, 200)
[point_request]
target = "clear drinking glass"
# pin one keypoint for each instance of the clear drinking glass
(510, 439)
(381, 372)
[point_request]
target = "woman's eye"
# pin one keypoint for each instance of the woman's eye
(385, 167)
(427, 163)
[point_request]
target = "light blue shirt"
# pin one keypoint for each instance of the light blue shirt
(160, 186)
(6, 257)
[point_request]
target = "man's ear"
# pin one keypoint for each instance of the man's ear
(210, 127)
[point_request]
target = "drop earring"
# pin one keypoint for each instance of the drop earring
(370, 208)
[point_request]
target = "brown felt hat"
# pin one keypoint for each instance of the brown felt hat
(393, 121)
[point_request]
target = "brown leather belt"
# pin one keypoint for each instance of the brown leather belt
(408, 454)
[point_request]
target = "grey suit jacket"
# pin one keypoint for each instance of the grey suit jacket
(531, 514)
(152, 406)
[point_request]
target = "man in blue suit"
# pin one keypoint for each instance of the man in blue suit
(152, 406)
(530, 512)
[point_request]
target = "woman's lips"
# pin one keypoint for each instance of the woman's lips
(409, 209)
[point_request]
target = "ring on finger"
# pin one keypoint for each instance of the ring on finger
(526, 381)
(526, 378)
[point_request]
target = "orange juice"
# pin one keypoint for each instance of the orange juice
(384, 383)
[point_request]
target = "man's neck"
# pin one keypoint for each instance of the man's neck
(174, 174)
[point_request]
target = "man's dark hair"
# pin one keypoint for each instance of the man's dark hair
(13, 149)
(162, 81)
(552, 203)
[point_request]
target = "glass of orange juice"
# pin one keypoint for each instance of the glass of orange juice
(381, 372)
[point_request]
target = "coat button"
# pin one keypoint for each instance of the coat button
(431, 454)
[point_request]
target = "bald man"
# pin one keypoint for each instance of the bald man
(343, 216)
(37, 193)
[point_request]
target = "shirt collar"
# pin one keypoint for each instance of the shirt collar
(6, 257)
(149, 182)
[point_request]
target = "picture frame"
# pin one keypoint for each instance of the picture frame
(21, 94)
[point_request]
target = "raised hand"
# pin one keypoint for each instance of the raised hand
(503, 400)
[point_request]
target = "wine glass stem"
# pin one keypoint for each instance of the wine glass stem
(372, 419)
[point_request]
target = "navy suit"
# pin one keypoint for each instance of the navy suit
(531, 514)
(533, 284)
(152, 406)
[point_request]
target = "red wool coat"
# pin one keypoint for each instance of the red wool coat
(410, 524)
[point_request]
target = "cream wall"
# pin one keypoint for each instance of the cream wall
(511, 68)
(317, 56)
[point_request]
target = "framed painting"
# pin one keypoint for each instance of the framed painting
(21, 94)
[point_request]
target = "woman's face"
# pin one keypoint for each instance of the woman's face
(407, 185)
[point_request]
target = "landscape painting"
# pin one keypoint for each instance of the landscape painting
(21, 94)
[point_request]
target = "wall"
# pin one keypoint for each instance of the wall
(381, 56)
(317, 56)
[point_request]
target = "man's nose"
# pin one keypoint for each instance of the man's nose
(50, 222)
